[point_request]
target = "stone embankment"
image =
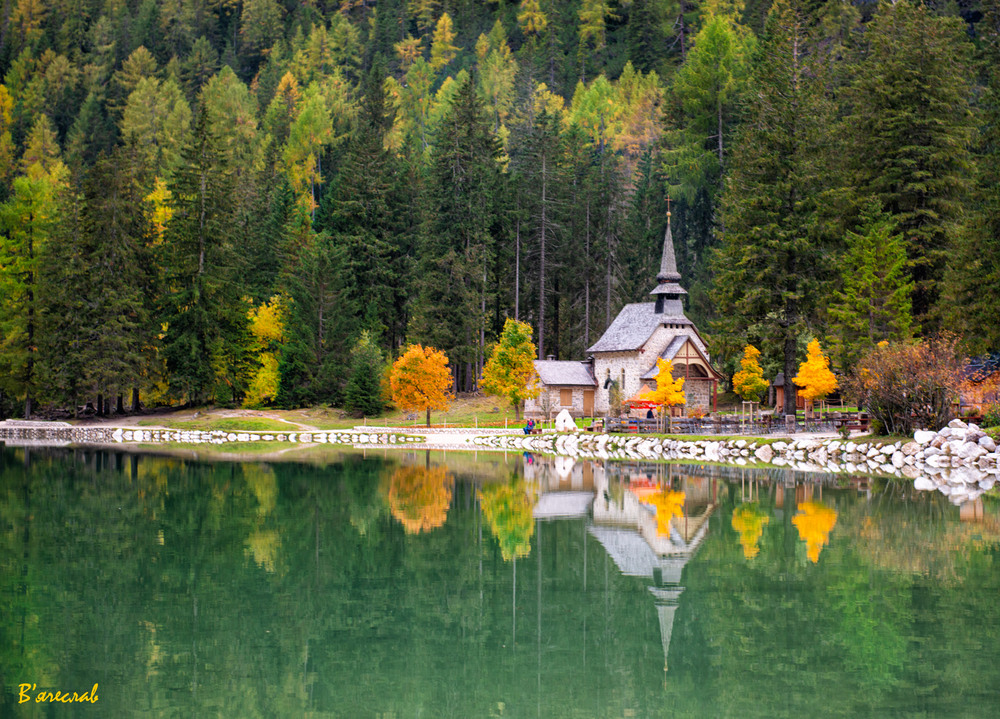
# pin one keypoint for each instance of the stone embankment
(15, 433)
(960, 457)
(960, 460)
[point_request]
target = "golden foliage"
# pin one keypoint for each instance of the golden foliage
(749, 382)
(419, 497)
(510, 370)
(508, 510)
(815, 377)
(442, 49)
(815, 521)
(668, 504)
(531, 19)
(421, 380)
(267, 324)
(669, 391)
(749, 521)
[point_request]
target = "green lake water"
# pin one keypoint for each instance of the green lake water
(411, 585)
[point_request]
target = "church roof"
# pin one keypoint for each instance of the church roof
(634, 325)
(562, 373)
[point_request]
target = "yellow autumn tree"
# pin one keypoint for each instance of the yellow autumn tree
(815, 522)
(442, 49)
(749, 382)
(421, 380)
(669, 391)
(267, 325)
(419, 497)
(510, 370)
(815, 377)
(508, 511)
(749, 521)
(668, 504)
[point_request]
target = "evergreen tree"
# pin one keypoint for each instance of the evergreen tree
(457, 239)
(363, 394)
(910, 125)
(971, 307)
(207, 342)
(874, 304)
(771, 259)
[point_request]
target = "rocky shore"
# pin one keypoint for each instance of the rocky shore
(959, 460)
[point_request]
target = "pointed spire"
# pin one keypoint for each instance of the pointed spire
(668, 263)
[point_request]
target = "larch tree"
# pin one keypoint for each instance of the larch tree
(421, 381)
(510, 370)
(442, 48)
(749, 382)
(815, 377)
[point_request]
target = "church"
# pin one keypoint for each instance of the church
(626, 355)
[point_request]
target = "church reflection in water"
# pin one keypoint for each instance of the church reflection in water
(650, 518)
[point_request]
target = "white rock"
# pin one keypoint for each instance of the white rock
(922, 436)
(909, 449)
(957, 424)
(564, 422)
(850, 447)
(764, 453)
(987, 443)
(923, 484)
(897, 460)
(970, 452)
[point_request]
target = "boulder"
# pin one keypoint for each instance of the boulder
(910, 448)
(987, 443)
(764, 453)
(922, 436)
(957, 424)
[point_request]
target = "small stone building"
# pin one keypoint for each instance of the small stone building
(564, 385)
(643, 332)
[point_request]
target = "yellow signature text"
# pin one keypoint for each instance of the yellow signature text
(25, 692)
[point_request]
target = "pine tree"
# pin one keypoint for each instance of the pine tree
(910, 125)
(874, 304)
(771, 259)
(457, 239)
(363, 394)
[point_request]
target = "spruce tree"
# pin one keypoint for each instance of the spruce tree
(771, 259)
(458, 236)
(909, 125)
(363, 394)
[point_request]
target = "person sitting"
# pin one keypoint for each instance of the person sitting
(649, 413)
(529, 427)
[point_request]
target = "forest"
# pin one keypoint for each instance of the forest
(262, 202)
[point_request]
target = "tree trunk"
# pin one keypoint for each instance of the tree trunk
(428, 416)
(120, 404)
(135, 399)
(100, 404)
(790, 351)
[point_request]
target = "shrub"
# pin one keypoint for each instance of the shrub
(906, 385)
(991, 416)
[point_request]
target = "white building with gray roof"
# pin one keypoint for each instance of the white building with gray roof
(643, 332)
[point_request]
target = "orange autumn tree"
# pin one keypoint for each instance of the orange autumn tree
(669, 391)
(419, 497)
(815, 377)
(421, 380)
(749, 521)
(815, 522)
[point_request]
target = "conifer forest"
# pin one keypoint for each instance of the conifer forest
(253, 201)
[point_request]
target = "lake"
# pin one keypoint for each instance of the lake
(407, 584)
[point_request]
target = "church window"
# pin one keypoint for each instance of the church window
(566, 397)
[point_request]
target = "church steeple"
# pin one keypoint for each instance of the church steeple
(668, 292)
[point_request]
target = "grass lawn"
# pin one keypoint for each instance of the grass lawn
(225, 424)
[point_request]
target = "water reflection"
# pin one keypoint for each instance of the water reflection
(413, 584)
